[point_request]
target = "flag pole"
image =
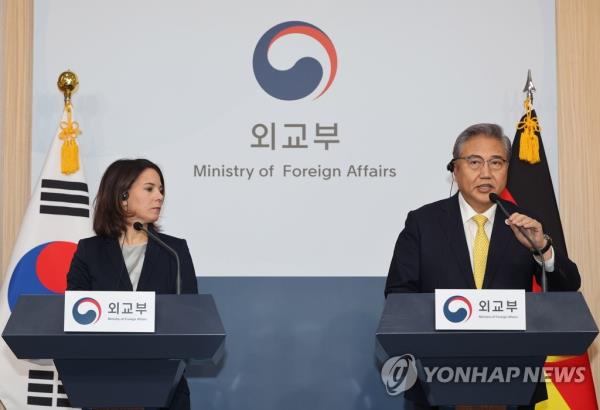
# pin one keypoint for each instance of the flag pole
(67, 83)
(529, 87)
(531, 127)
(529, 146)
(69, 155)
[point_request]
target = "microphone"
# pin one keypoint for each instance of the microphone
(138, 226)
(496, 199)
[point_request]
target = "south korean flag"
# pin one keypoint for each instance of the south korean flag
(58, 215)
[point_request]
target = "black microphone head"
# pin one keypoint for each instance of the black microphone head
(494, 197)
(138, 226)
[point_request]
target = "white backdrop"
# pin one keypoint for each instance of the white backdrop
(173, 82)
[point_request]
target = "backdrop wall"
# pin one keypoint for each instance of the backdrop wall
(176, 83)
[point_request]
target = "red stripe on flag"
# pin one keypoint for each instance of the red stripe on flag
(578, 395)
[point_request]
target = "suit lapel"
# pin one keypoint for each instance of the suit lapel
(501, 235)
(451, 222)
(115, 255)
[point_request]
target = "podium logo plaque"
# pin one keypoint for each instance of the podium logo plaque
(94, 311)
(480, 309)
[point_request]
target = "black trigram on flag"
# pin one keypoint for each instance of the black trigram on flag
(64, 198)
(44, 390)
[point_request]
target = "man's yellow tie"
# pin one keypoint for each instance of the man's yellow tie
(480, 250)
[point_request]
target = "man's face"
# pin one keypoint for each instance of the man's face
(477, 184)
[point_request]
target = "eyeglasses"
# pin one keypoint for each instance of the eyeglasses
(475, 162)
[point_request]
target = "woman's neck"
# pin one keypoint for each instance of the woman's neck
(133, 237)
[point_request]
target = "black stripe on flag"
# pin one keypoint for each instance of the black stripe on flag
(56, 197)
(56, 183)
(63, 402)
(39, 388)
(39, 401)
(64, 210)
(41, 374)
(61, 389)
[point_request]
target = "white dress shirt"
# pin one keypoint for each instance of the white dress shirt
(467, 213)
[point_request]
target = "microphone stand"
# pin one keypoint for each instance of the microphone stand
(139, 227)
(496, 199)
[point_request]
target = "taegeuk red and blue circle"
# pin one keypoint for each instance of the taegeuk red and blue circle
(41, 271)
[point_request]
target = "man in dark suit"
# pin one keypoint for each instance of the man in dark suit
(466, 242)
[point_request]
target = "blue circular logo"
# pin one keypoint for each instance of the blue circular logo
(461, 309)
(92, 315)
(305, 75)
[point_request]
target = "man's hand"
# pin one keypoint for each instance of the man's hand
(532, 227)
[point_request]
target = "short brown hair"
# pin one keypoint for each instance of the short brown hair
(110, 219)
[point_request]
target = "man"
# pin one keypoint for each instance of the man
(466, 242)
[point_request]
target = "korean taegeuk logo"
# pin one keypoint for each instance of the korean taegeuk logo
(305, 75)
(457, 309)
(91, 315)
(41, 271)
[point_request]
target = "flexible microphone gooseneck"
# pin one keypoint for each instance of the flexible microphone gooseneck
(139, 227)
(496, 199)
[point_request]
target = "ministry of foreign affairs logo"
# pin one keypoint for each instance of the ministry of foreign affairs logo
(305, 75)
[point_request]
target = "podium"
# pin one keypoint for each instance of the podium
(558, 323)
(118, 369)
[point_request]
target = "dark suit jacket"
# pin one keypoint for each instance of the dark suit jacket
(431, 253)
(98, 264)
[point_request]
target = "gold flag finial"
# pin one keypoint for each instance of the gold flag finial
(69, 129)
(67, 83)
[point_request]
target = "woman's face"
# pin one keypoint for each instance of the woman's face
(145, 198)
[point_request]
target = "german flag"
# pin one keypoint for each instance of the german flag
(530, 185)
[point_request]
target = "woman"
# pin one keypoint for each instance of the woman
(123, 258)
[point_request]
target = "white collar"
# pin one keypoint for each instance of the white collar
(467, 212)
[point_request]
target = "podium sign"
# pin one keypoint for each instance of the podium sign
(94, 311)
(118, 369)
(480, 309)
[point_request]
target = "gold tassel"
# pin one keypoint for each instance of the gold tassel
(529, 146)
(69, 153)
